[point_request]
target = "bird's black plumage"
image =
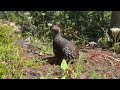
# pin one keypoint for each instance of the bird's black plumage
(62, 47)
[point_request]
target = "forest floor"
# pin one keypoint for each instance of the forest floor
(35, 61)
(97, 63)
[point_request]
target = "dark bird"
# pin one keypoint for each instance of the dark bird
(62, 47)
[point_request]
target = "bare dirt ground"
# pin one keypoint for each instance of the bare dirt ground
(104, 62)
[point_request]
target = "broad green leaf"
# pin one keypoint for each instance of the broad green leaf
(64, 65)
(42, 77)
(63, 77)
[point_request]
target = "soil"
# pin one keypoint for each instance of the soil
(104, 62)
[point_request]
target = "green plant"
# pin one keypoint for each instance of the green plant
(42, 77)
(93, 75)
(78, 68)
(104, 42)
(8, 48)
(9, 51)
(74, 24)
(45, 45)
(71, 72)
(79, 26)
(2, 70)
(82, 40)
(65, 68)
(116, 36)
(67, 71)
(116, 47)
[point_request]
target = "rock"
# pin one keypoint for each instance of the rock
(92, 44)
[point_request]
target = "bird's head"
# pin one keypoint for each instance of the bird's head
(56, 28)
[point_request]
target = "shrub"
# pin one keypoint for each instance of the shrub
(116, 47)
(104, 42)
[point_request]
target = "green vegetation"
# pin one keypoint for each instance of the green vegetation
(104, 42)
(116, 47)
(116, 36)
(9, 52)
(80, 27)
(75, 25)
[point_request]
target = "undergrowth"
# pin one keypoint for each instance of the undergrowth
(45, 45)
(9, 52)
(11, 62)
(12, 65)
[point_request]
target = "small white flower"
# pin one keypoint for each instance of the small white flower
(35, 40)
(114, 30)
(12, 24)
(16, 30)
(29, 18)
(43, 14)
(5, 63)
(5, 24)
(18, 26)
(0, 20)
(27, 41)
(27, 13)
(49, 24)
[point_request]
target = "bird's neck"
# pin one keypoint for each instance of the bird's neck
(57, 35)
